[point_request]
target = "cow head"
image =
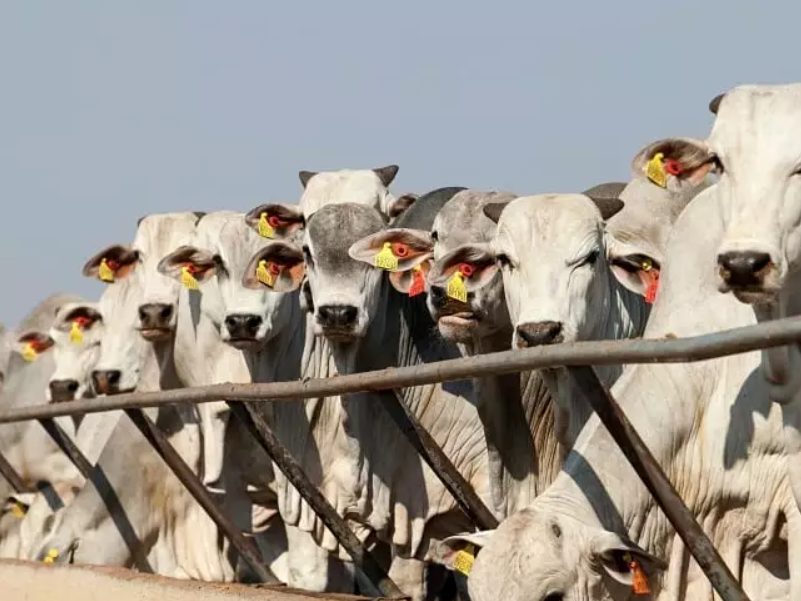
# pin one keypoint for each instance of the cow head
(553, 557)
(369, 187)
(756, 144)
(550, 250)
(225, 243)
(155, 236)
(666, 176)
(76, 333)
(344, 291)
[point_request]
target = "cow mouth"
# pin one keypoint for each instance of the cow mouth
(115, 391)
(341, 335)
(751, 295)
(155, 334)
(61, 397)
(243, 343)
(463, 319)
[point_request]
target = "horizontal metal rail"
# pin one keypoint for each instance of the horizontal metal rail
(604, 352)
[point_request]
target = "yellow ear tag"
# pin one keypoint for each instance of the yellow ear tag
(386, 259)
(265, 229)
(655, 170)
(188, 279)
(456, 288)
(29, 353)
(76, 333)
(104, 272)
(18, 510)
(263, 274)
(52, 555)
(464, 560)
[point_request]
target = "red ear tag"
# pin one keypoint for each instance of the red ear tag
(652, 279)
(275, 221)
(466, 269)
(673, 167)
(418, 282)
(400, 250)
(191, 268)
(83, 322)
(275, 268)
(639, 580)
(113, 265)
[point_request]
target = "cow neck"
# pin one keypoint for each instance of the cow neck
(279, 359)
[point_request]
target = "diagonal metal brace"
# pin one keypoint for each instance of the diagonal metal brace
(12, 477)
(246, 548)
(660, 487)
(292, 470)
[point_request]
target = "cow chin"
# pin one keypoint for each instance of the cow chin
(245, 344)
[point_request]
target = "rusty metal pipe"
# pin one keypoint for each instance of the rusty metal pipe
(603, 352)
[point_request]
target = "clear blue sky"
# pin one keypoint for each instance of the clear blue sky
(111, 110)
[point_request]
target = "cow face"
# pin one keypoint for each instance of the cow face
(461, 233)
(224, 245)
(756, 142)
(550, 250)
(552, 558)
(76, 332)
(156, 235)
(344, 292)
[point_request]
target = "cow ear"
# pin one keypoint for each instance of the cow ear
(458, 552)
(111, 264)
(477, 264)
(277, 221)
(625, 562)
(278, 266)
(386, 174)
(674, 163)
(639, 273)
(305, 176)
(607, 198)
(32, 344)
(401, 204)
(188, 262)
(493, 210)
(83, 316)
(714, 104)
(395, 249)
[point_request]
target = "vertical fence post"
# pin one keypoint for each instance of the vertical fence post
(362, 559)
(246, 548)
(657, 482)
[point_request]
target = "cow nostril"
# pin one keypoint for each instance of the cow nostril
(349, 314)
(253, 322)
(113, 376)
(230, 322)
(143, 313)
(338, 315)
(72, 386)
(166, 312)
(437, 296)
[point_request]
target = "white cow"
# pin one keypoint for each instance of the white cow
(76, 333)
(713, 429)
(165, 530)
(360, 323)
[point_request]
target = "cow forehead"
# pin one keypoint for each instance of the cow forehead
(553, 220)
(333, 229)
(759, 120)
(159, 234)
(462, 219)
(227, 233)
(358, 186)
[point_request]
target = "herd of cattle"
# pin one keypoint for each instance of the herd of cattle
(705, 236)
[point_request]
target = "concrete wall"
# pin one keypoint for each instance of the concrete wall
(28, 581)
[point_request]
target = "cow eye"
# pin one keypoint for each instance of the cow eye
(554, 597)
(504, 261)
(435, 235)
(718, 164)
(590, 259)
(307, 256)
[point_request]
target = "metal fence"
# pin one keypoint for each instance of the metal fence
(578, 357)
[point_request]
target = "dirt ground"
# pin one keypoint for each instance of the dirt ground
(28, 581)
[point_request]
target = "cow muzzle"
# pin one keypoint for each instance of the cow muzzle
(155, 321)
(538, 333)
(750, 275)
(338, 321)
(106, 381)
(243, 330)
(63, 391)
